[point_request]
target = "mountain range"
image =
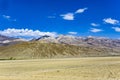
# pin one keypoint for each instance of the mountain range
(89, 41)
(60, 46)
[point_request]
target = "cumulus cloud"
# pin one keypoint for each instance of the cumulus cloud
(95, 30)
(25, 33)
(72, 33)
(81, 10)
(94, 24)
(68, 16)
(117, 29)
(71, 16)
(111, 21)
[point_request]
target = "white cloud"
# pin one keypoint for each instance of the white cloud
(95, 30)
(68, 16)
(117, 29)
(111, 21)
(72, 33)
(25, 33)
(6, 17)
(94, 24)
(71, 16)
(81, 10)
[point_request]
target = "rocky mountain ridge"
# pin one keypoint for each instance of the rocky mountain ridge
(89, 41)
(82, 41)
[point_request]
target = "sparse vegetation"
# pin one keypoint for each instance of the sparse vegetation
(11, 58)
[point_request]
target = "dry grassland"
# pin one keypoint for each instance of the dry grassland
(97, 68)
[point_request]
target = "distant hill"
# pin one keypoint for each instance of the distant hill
(40, 49)
(5, 40)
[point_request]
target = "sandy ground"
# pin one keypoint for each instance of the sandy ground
(94, 68)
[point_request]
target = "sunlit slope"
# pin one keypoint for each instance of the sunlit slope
(37, 49)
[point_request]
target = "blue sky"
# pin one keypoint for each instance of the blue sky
(33, 18)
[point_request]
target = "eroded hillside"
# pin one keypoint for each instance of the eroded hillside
(38, 49)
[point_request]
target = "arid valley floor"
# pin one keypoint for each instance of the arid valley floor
(92, 68)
